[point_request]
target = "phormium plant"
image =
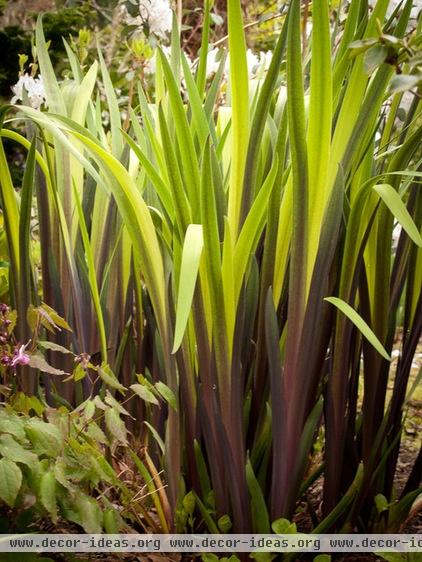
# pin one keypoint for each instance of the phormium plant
(227, 258)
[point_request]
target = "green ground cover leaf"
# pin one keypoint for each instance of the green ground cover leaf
(10, 481)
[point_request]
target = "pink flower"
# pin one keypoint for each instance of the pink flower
(20, 357)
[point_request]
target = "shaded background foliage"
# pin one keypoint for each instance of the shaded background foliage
(66, 18)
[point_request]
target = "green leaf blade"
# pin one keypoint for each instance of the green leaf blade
(394, 203)
(192, 250)
(360, 324)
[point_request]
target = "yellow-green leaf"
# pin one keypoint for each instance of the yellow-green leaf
(393, 201)
(360, 324)
(10, 481)
(192, 250)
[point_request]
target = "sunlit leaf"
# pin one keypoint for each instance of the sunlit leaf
(360, 324)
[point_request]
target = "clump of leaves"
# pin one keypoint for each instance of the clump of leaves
(53, 468)
(404, 54)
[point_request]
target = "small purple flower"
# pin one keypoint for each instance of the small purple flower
(5, 359)
(4, 309)
(20, 357)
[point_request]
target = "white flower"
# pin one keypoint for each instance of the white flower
(213, 61)
(151, 64)
(258, 63)
(34, 88)
(130, 20)
(396, 235)
(253, 62)
(265, 58)
(158, 15)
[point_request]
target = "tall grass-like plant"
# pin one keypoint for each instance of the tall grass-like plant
(236, 259)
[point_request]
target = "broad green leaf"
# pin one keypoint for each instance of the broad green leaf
(10, 481)
(360, 324)
(111, 401)
(35, 404)
(192, 250)
(283, 527)
(393, 201)
(361, 46)
(96, 433)
(79, 373)
(12, 425)
(15, 452)
(88, 409)
(90, 513)
(189, 503)
(37, 361)
(224, 523)
(167, 394)
(47, 493)
(109, 378)
(54, 347)
(381, 503)
(56, 318)
(45, 437)
(111, 521)
(404, 82)
(374, 57)
(115, 426)
(144, 393)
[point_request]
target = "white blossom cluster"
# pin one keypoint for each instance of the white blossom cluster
(151, 65)
(156, 14)
(257, 62)
(34, 88)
